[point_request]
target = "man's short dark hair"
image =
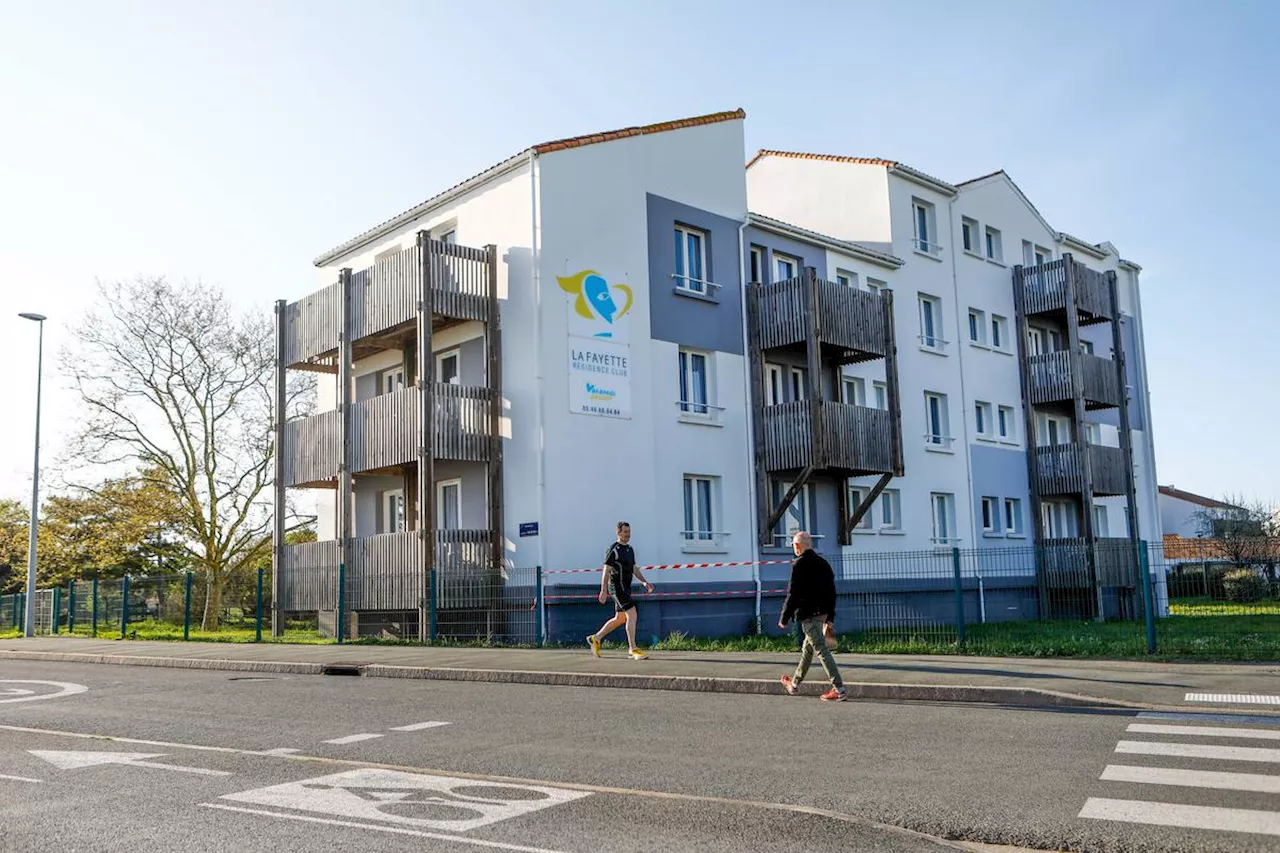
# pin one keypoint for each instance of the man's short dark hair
(622, 524)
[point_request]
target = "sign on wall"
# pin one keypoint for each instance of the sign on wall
(597, 308)
(599, 378)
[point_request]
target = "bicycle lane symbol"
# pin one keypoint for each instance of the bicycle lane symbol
(23, 694)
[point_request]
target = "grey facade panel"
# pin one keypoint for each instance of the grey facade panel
(1000, 473)
(808, 254)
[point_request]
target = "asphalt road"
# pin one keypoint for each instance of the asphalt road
(355, 763)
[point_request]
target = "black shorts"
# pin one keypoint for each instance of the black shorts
(622, 600)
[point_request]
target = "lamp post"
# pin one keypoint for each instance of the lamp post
(29, 622)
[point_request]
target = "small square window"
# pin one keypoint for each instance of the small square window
(875, 285)
(844, 278)
(785, 267)
(994, 250)
(854, 391)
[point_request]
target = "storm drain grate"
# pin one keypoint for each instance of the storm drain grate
(341, 669)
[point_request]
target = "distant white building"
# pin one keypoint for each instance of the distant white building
(1181, 512)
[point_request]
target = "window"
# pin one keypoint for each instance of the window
(857, 494)
(1034, 256)
(699, 525)
(796, 517)
(936, 420)
(757, 265)
(846, 279)
(944, 518)
(1052, 429)
(1100, 526)
(999, 331)
(392, 380)
(990, 515)
(977, 327)
(1086, 347)
(393, 511)
(924, 220)
(1007, 427)
(881, 392)
(1013, 516)
(1059, 520)
(854, 391)
(890, 501)
(982, 419)
(994, 251)
(448, 235)
(1042, 256)
(694, 398)
(1035, 341)
(449, 504)
(773, 388)
(1093, 433)
(969, 234)
(447, 367)
(785, 267)
(875, 285)
(799, 384)
(691, 260)
(931, 323)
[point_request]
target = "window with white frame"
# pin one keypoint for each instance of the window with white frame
(969, 234)
(853, 390)
(937, 420)
(1059, 520)
(448, 234)
(994, 250)
(944, 518)
(875, 285)
(392, 380)
(999, 331)
(1013, 516)
(1086, 347)
(990, 515)
(691, 259)
(1036, 342)
(1006, 426)
(977, 327)
(890, 502)
(925, 225)
(1093, 433)
(1052, 429)
(774, 389)
(1041, 255)
(757, 265)
(393, 520)
(699, 511)
(983, 422)
(931, 322)
(798, 515)
(448, 367)
(1028, 256)
(1101, 528)
(857, 494)
(695, 383)
(785, 267)
(881, 392)
(449, 505)
(799, 384)
(844, 278)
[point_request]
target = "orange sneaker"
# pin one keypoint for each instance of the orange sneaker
(789, 685)
(834, 695)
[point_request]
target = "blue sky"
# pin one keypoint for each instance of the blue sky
(235, 141)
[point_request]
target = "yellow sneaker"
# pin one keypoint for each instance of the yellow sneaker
(636, 654)
(594, 644)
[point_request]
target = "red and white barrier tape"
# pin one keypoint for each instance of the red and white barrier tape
(671, 594)
(668, 566)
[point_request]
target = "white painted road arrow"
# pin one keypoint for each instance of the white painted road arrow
(77, 760)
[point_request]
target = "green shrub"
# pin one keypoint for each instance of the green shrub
(1244, 585)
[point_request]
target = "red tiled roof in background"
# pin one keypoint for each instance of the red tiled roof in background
(609, 136)
(1191, 497)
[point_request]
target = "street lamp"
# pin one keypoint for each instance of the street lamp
(29, 622)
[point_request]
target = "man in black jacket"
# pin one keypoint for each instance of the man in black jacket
(811, 599)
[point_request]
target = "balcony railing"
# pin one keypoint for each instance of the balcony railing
(386, 295)
(1051, 380)
(828, 435)
(850, 320)
(385, 433)
(1044, 290)
(1060, 469)
(1066, 563)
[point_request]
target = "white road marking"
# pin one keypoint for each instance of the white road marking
(65, 688)
(1192, 778)
(1193, 717)
(77, 760)
(282, 750)
(1190, 817)
(1199, 750)
(20, 778)
(352, 739)
(417, 727)
(1203, 731)
(460, 839)
(1233, 698)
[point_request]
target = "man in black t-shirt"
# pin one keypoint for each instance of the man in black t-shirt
(615, 582)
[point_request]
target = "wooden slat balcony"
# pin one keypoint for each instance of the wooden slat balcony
(1060, 469)
(385, 297)
(385, 433)
(1066, 565)
(1044, 289)
(851, 322)
(839, 437)
(1051, 380)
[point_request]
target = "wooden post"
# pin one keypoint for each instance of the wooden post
(346, 522)
(493, 375)
(426, 432)
(1022, 328)
(818, 455)
(892, 397)
(1081, 434)
(842, 511)
(409, 364)
(279, 509)
(755, 363)
(1126, 428)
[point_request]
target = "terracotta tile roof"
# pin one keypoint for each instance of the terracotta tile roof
(1191, 497)
(861, 161)
(661, 127)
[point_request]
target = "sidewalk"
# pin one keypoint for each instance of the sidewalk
(1010, 681)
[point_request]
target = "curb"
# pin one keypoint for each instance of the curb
(1017, 696)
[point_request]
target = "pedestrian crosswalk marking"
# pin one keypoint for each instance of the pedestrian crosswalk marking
(1191, 716)
(1190, 817)
(1204, 731)
(1199, 750)
(1233, 698)
(1192, 778)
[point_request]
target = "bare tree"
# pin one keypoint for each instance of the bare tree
(1245, 532)
(177, 383)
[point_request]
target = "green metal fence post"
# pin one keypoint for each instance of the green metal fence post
(1148, 604)
(93, 615)
(124, 607)
(431, 606)
(955, 566)
(22, 611)
(186, 607)
(55, 615)
(340, 630)
(537, 609)
(71, 607)
(258, 628)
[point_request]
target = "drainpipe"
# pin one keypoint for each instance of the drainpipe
(535, 245)
(754, 520)
(964, 404)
